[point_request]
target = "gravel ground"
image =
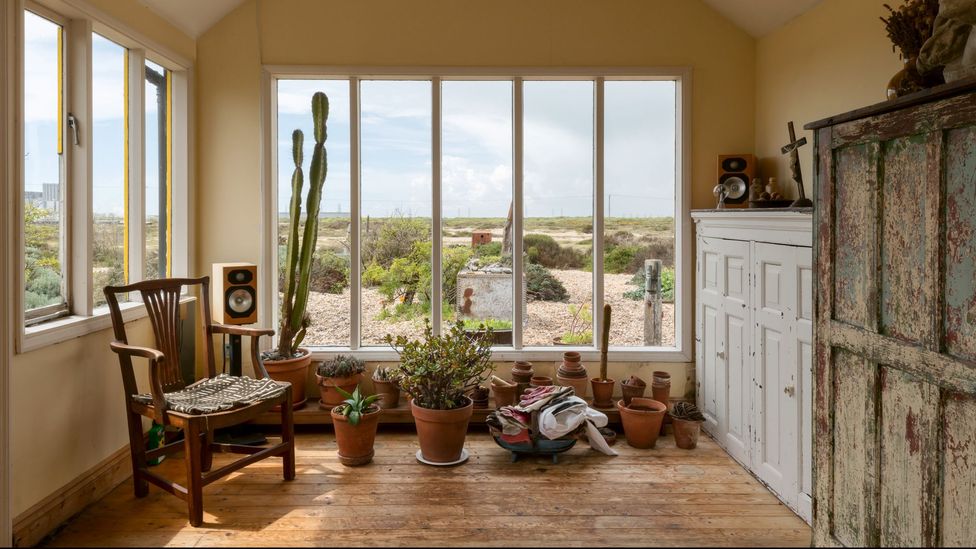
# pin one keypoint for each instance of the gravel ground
(546, 320)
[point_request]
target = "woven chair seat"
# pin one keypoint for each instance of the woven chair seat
(217, 394)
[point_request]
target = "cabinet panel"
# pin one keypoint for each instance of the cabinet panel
(960, 253)
(738, 409)
(854, 234)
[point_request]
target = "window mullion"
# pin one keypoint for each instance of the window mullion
(355, 258)
(518, 317)
(598, 221)
(437, 234)
(78, 141)
(135, 180)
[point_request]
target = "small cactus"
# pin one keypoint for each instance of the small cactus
(686, 411)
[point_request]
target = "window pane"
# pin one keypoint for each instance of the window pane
(476, 200)
(558, 209)
(157, 172)
(396, 207)
(44, 140)
(109, 190)
(329, 302)
(639, 186)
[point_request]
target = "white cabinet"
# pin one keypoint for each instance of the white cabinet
(754, 334)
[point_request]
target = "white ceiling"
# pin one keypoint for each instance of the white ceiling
(757, 17)
(193, 17)
(761, 17)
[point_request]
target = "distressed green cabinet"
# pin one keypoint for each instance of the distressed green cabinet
(895, 334)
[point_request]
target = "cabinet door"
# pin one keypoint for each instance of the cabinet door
(804, 361)
(776, 452)
(711, 400)
(734, 357)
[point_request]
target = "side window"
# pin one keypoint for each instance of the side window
(158, 229)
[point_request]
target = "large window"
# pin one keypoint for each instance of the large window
(102, 169)
(451, 176)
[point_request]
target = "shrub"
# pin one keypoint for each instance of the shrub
(45, 283)
(330, 272)
(542, 285)
(454, 259)
(373, 275)
(543, 249)
(667, 285)
(395, 238)
(473, 325)
(489, 249)
(620, 259)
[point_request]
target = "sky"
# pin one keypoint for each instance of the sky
(477, 146)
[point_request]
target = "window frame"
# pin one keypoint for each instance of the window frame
(82, 20)
(684, 273)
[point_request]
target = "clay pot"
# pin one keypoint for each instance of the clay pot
(294, 371)
(633, 387)
(685, 433)
(602, 393)
(441, 432)
(571, 356)
(642, 421)
(522, 373)
(540, 381)
(579, 384)
(327, 388)
(389, 394)
(504, 394)
(355, 441)
(479, 397)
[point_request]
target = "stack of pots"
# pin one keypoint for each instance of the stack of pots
(661, 392)
(572, 373)
(522, 374)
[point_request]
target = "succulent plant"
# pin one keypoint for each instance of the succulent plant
(686, 411)
(355, 405)
(341, 366)
(384, 373)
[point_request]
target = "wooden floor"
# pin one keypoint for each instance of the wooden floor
(660, 497)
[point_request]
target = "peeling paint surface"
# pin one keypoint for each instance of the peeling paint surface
(854, 235)
(960, 276)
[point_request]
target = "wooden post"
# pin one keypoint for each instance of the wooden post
(653, 308)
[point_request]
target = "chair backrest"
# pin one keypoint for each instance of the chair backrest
(162, 300)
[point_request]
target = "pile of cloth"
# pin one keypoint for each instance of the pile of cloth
(552, 412)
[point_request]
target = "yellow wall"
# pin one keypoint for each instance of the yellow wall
(833, 59)
(67, 413)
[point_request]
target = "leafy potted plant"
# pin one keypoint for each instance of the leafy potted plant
(338, 377)
(289, 361)
(686, 420)
(355, 421)
(384, 381)
(438, 372)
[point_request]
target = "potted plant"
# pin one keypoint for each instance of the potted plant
(289, 361)
(686, 420)
(603, 386)
(438, 372)
(355, 421)
(632, 387)
(384, 382)
(338, 376)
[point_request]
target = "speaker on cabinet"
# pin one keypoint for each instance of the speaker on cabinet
(735, 172)
(233, 291)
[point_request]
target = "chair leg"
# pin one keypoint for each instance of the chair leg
(207, 462)
(194, 481)
(288, 436)
(137, 447)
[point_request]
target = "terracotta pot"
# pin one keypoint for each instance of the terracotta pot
(642, 421)
(479, 397)
(630, 391)
(441, 432)
(504, 394)
(522, 373)
(579, 384)
(389, 394)
(294, 371)
(327, 388)
(540, 381)
(355, 441)
(571, 356)
(602, 393)
(685, 433)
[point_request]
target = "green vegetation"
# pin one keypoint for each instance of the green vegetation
(42, 267)
(356, 404)
(667, 285)
(341, 366)
(472, 325)
(580, 330)
(542, 285)
(543, 249)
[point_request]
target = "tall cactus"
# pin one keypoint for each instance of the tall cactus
(298, 262)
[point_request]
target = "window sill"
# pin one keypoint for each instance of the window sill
(62, 329)
(587, 354)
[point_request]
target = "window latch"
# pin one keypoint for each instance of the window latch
(73, 125)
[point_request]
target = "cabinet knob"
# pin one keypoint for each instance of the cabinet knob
(790, 390)
(720, 354)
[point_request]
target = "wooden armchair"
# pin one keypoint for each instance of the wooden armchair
(199, 408)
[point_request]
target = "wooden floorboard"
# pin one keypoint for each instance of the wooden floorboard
(662, 497)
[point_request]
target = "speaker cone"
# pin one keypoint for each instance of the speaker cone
(240, 300)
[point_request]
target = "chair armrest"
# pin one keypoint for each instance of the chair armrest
(240, 330)
(133, 350)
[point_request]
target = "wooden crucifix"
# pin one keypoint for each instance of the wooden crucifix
(792, 148)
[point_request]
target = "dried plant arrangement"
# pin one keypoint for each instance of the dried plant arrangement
(910, 25)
